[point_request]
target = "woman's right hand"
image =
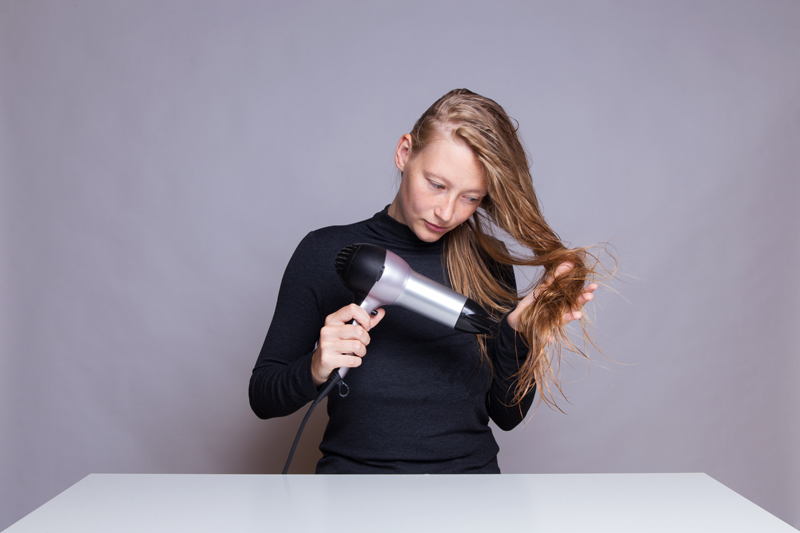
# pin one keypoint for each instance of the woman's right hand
(342, 344)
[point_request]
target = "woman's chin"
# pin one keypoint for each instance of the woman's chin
(427, 235)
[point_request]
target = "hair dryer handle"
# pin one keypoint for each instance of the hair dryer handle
(369, 305)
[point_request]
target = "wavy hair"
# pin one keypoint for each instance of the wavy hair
(512, 207)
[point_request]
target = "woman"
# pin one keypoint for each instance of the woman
(421, 401)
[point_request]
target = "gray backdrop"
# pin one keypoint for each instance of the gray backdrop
(161, 160)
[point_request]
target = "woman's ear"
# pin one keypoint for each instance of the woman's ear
(403, 152)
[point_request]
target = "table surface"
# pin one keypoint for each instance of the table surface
(346, 504)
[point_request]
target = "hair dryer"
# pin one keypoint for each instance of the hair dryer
(379, 277)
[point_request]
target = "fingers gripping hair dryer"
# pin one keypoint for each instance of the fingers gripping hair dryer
(379, 277)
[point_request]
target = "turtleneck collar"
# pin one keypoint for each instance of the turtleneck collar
(396, 234)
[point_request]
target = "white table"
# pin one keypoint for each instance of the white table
(543, 503)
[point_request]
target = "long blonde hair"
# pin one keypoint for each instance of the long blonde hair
(512, 207)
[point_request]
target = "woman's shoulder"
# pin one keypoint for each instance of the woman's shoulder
(324, 243)
(332, 236)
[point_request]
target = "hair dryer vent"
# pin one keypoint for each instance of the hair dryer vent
(360, 266)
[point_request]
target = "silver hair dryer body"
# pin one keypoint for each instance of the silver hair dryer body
(379, 277)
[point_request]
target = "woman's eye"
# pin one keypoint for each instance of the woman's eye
(436, 185)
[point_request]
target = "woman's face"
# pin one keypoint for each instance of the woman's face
(442, 186)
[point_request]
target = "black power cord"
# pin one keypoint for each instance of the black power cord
(333, 380)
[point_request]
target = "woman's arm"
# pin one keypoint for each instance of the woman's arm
(308, 336)
(508, 351)
(281, 382)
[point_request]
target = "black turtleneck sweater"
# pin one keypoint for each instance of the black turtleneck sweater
(421, 400)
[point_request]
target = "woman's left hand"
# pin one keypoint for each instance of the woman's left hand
(575, 314)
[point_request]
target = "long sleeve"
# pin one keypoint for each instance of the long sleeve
(281, 381)
(508, 352)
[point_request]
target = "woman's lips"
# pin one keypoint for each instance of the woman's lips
(434, 227)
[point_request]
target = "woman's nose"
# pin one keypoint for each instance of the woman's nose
(445, 209)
